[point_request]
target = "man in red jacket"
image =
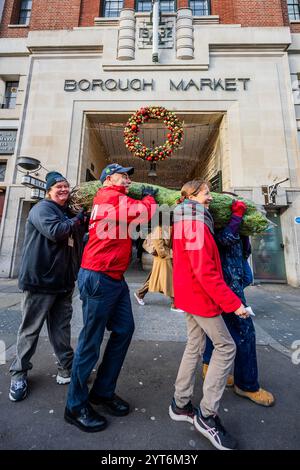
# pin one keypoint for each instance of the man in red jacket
(105, 297)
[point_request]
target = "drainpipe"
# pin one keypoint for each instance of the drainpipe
(155, 20)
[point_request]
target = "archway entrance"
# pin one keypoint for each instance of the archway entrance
(203, 154)
(200, 155)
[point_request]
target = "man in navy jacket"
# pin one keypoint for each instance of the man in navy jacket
(50, 263)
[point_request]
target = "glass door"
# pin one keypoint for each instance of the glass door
(268, 252)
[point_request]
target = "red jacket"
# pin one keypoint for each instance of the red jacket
(113, 215)
(199, 287)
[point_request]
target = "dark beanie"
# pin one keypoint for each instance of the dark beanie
(52, 178)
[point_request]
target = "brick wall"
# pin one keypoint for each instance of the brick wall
(46, 14)
(10, 13)
(55, 14)
(90, 9)
(225, 10)
(285, 12)
(251, 12)
(259, 13)
(129, 4)
(295, 28)
(182, 3)
(66, 14)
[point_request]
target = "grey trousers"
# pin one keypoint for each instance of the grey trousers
(57, 310)
(219, 366)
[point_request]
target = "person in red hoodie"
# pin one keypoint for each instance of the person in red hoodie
(105, 298)
(202, 293)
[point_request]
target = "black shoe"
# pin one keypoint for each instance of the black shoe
(115, 405)
(213, 430)
(86, 419)
(182, 414)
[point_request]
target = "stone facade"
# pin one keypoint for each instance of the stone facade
(228, 77)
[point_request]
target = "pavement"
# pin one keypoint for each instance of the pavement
(147, 380)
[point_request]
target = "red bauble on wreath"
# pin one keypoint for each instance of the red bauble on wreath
(174, 136)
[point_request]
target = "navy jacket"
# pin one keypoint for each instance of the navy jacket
(234, 251)
(49, 264)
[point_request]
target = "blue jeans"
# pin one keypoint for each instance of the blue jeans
(245, 364)
(247, 274)
(105, 304)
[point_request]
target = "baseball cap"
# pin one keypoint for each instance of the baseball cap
(115, 168)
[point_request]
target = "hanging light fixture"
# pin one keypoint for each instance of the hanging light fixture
(28, 164)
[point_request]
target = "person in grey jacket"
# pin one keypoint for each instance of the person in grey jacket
(50, 262)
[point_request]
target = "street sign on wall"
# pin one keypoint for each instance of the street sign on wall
(297, 220)
(32, 182)
(38, 187)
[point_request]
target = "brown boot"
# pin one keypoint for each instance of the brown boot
(204, 370)
(261, 397)
(230, 379)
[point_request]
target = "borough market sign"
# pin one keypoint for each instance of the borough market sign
(141, 84)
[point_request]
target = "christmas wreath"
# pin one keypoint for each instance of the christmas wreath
(174, 137)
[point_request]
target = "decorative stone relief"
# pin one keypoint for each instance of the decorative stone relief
(166, 33)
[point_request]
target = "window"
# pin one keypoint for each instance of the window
(146, 5)
(294, 9)
(2, 171)
(143, 5)
(200, 7)
(11, 90)
(166, 6)
(25, 12)
(112, 8)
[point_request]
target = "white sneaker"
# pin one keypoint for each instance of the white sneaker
(174, 309)
(63, 377)
(138, 299)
